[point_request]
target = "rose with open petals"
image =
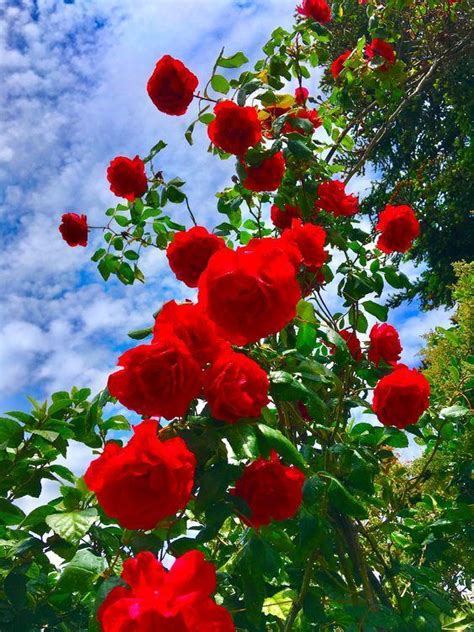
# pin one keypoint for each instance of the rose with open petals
(267, 176)
(250, 292)
(310, 240)
(157, 380)
(74, 229)
(332, 197)
(235, 128)
(379, 48)
(144, 482)
(291, 123)
(282, 217)
(127, 177)
(235, 386)
(398, 228)
(171, 86)
(190, 251)
(401, 397)
(272, 491)
(318, 10)
(155, 599)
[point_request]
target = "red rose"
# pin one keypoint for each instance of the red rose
(144, 482)
(282, 218)
(189, 252)
(310, 115)
(235, 386)
(380, 48)
(353, 344)
(127, 177)
(384, 344)
(189, 323)
(159, 380)
(251, 292)
(171, 86)
(401, 397)
(269, 244)
(398, 227)
(337, 65)
(301, 94)
(318, 10)
(73, 229)
(267, 176)
(310, 240)
(272, 491)
(158, 600)
(332, 197)
(235, 128)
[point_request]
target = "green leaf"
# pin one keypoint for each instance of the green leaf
(306, 338)
(207, 118)
(344, 502)
(235, 61)
(10, 513)
(71, 526)
(81, 572)
(286, 387)
(140, 334)
(300, 150)
(273, 439)
(243, 441)
(11, 432)
(279, 605)
(379, 311)
(122, 221)
(396, 279)
(455, 411)
(220, 84)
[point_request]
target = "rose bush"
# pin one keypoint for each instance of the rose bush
(264, 466)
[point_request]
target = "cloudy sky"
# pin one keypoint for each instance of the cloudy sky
(73, 97)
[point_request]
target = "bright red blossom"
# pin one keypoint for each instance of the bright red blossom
(235, 128)
(318, 10)
(310, 240)
(398, 227)
(337, 65)
(189, 252)
(74, 229)
(353, 343)
(158, 380)
(401, 397)
(332, 197)
(267, 176)
(235, 386)
(158, 600)
(127, 177)
(301, 94)
(272, 491)
(282, 218)
(310, 115)
(171, 86)
(189, 323)
(380, 48)
(251, 292)
(144, 482)
(384, 344)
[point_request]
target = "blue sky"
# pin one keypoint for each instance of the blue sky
(73, 97)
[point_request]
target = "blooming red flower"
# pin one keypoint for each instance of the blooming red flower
(310, 240)
(269, 244)
(401, 397)
(282, 218)
(318, 10)
(158, 600)
(171, 86)
(235, 386)
(235, 128)
(267, 176)
(301, 94)
(380, 48)
(398, 227)
(337, 65)
(251, 292)
(353, 343)
(144, 482)
(189, 252)
(189, 323)
(158, 380)
(384, 344)
(73, 229)
(272, 491)
(127, 177)
(332, 197)
(310, 115)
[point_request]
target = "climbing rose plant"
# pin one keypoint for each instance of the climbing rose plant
(248, 496)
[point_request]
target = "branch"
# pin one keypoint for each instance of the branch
(298, 602)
